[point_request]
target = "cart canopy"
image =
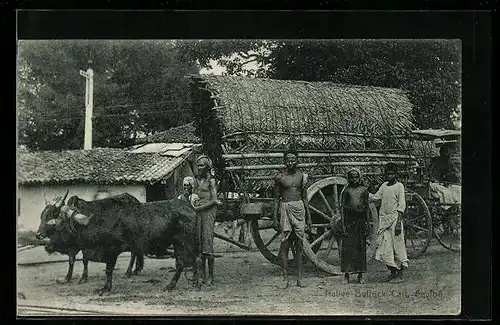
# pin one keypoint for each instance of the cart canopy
(432, 134)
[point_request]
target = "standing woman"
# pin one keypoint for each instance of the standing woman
(354, 212)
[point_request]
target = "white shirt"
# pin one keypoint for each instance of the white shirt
(393, 198)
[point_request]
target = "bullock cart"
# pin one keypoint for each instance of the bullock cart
(446, 217)
(246, 124)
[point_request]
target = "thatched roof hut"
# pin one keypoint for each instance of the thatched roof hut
(239, 114)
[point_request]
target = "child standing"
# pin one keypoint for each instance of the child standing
(354, 198)
(391, 243)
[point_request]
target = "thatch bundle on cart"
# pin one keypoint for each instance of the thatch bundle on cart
(344, 124)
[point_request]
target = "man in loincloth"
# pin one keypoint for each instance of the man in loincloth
(205, 189)
(291, 201)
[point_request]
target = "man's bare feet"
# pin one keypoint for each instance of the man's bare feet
(301, 284)
(286, 285)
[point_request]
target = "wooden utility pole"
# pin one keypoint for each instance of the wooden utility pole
(89, 102)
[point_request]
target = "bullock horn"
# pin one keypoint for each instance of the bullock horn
(47, 202)
(61, 200)
(65, 195)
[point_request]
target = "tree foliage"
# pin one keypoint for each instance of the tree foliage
(140, 86)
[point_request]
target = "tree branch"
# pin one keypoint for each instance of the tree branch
(248, 56)
(248, 61)
(243, 54)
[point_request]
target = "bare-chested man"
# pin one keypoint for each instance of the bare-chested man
(205, 205)
(291, 200)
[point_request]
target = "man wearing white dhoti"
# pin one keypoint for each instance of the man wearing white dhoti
(391, 248)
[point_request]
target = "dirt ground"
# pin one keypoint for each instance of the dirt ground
(246, 284)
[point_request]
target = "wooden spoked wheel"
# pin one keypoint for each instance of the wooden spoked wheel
(417, 225)
(267, 240)
(447, 227)
(320, 245)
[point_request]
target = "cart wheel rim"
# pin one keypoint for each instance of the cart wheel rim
(447, 228)
(322, 244)
(417, 225)
(267, 240)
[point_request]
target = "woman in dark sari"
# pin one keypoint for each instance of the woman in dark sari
(354, 217)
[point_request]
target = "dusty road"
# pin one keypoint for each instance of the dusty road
(246, 284)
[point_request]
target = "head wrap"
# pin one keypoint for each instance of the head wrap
(211, 171)
(207, 158)
(188, 181)
(357, 170)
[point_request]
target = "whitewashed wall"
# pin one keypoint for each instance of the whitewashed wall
(32, 201)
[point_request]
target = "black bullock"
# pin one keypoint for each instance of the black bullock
(105, 228)
(102, 229)
(46, 229)
(172, 222)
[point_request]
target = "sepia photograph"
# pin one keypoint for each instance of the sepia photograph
(239, 177)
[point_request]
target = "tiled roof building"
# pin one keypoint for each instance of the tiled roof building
(102, 165)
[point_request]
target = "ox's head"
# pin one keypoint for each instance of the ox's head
(62, 238)
(49, 216)
(63, 229)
